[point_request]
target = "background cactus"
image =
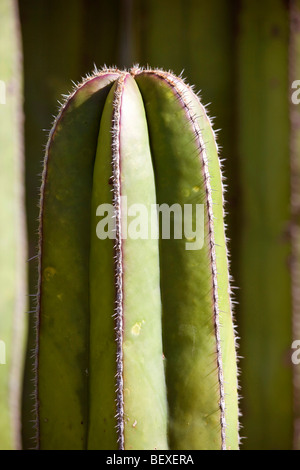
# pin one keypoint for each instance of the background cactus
(171, 305)
(12, 229)
(265, 321)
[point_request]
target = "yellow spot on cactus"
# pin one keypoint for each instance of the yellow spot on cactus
(49, 273)
(136, 329)
(196, 189)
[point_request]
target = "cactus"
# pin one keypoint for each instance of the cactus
(264, 246)
(12, 228)
(135, 344)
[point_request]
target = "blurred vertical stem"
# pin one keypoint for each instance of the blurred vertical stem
(51, 43)
(265, 300)
(12, 228)
(61, 42)
(294, 69)
(126, 34)
(199, 37)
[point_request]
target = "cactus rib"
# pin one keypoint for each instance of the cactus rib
(13, 249)
(118, 256)
(90, 94)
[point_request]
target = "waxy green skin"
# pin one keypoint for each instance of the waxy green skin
(134, 338)
(12, 229)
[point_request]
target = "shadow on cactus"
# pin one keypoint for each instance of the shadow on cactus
(135, 344)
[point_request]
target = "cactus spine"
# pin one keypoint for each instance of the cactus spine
(12, 229)
(136, 333)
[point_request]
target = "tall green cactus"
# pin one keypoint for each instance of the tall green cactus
(12, 228)
(135, 345)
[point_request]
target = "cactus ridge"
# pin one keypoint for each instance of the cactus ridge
(185, 97)
(180, 85)
(13, 249)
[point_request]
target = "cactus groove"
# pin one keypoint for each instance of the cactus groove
(135, 344)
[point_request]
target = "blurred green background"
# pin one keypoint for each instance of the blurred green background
(243, 55)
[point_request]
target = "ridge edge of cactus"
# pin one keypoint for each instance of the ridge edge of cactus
(118, 256)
